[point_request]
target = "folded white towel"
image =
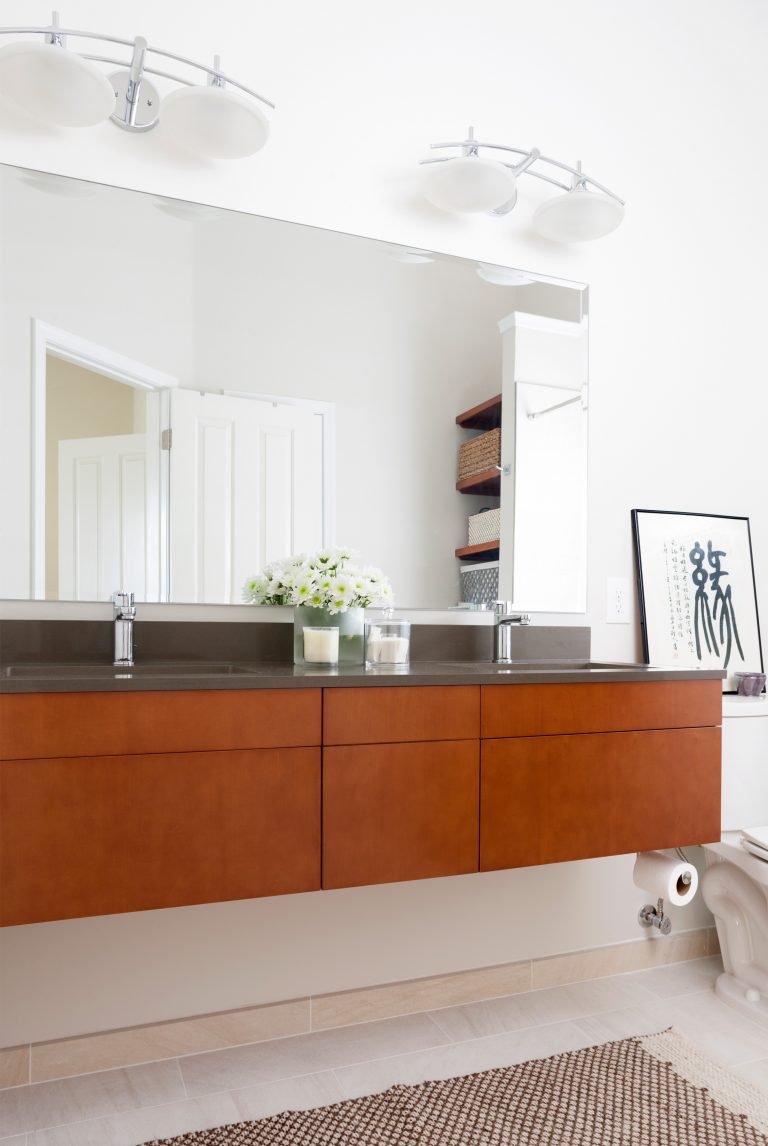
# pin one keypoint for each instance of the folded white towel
(757, 836)
(754, 850)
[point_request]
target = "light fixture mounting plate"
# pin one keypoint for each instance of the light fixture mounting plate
(144, 113)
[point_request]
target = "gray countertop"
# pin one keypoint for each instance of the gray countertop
(190, 674)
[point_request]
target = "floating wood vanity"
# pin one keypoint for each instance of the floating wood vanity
(116, 801)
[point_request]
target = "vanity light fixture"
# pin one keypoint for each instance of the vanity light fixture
(469, 182)
(69, 89)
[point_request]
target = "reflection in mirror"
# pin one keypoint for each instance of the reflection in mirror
(206, 391)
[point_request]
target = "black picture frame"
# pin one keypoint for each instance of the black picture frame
(683, 624)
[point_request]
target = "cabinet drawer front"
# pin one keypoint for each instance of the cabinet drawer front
(551, 709)
(394, 715)
(556, 798)
(404, 811)
(97, 835)
(103, 723)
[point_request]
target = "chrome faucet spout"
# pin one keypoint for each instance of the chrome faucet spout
(506, 620)
(124, 615)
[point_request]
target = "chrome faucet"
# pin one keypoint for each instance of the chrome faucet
(124, 616)
(502, 631)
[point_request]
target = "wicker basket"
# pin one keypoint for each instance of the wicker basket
(483, 527)
(480, 583)
(480, 453)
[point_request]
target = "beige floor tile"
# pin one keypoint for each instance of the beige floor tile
(418, 995)
(460, 1058)
(649, 1019)
(679, 978)
(167, 1040)
(14, 1066)
(717, 1029)
(303, 1093)
(17, 1140)
(536, 1008)
(25, 1108)
(307, 1054)
(645, 953)
(755, 1072)
(138, 1126)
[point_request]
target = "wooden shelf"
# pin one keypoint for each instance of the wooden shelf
(486, 416)
(487, 483)
(486, 551)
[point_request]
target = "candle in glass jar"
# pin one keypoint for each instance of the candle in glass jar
(321, 645)
(387, 650)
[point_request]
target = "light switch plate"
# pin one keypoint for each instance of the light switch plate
(618, 601)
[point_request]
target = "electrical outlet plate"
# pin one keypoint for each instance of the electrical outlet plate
(618, 601)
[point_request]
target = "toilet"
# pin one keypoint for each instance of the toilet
(735, 883)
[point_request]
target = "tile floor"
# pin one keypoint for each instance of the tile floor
(129, 1106)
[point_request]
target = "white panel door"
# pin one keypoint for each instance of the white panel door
(103, 493)
(244, 480)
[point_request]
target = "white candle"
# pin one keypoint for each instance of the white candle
(321, 646)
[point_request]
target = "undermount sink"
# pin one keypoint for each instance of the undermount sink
(553, 666)
(108, 672)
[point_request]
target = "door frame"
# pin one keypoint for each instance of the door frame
(101, 360)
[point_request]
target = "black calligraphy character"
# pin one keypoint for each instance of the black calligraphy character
(702, 618)
(728, 630)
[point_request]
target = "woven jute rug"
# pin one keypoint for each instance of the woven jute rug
(652, 1091)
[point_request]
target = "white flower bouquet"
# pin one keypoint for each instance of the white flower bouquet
(329, 579)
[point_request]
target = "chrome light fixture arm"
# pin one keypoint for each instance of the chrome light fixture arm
(137, 103)
(470, 147)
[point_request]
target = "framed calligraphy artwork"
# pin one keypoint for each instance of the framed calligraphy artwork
(696, 583)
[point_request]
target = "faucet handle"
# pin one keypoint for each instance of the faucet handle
(123, 601)
(504, 611)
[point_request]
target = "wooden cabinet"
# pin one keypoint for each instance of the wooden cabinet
(401, 779)
(400, 811)
(599, 706)
(101, 834)
(116, 802)
(545, 799)
(391, 715)
(111, 723)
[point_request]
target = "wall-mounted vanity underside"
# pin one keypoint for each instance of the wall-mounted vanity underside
(159, 796)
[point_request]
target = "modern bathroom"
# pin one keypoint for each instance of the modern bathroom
(383, 541)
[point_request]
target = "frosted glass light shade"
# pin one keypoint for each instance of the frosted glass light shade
(578, 216)
(214, 122)
(468, 183)
(54, 85)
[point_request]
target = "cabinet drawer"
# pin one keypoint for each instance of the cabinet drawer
(97, 835)
(103, 723)
(404, 811)
(556, 798)
(551, 709)
(394, 715)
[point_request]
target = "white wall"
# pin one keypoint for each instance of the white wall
(664, 103)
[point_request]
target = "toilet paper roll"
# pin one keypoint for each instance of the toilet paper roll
(663, 877)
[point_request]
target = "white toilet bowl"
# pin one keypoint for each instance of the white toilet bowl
(735, 884)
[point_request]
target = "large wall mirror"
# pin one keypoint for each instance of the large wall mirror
(188, 393)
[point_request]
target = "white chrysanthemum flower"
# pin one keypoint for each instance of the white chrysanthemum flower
(343, 588)
(330, 579)
(303, 589)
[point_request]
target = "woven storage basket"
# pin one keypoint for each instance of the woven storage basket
(484, 527)
(480, 453)
(480, 583)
